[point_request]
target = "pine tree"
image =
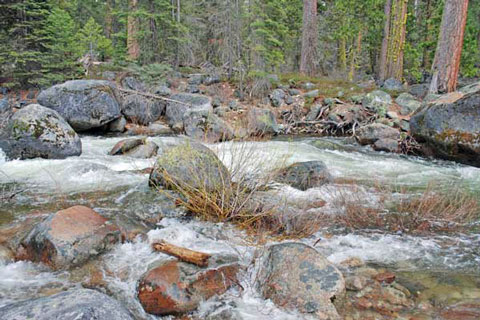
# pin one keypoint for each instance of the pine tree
(91, 40)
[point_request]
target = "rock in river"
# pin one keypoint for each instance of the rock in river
(369, 134)
(39, 132)
(85, 104)
(79, 304)
(449, 127)
(189, 164)
(69, 238)
(297, 277)
(176, 287)
(305, 175)
(136, 148)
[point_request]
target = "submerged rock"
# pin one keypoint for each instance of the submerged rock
(190, 165)
(261, 122)
(369, 134)
(39, 132)
(305, 175)
(297, 277)
(204, 125)
(176, 287)
(449, 127)
(141, 110)
(69, 238)
(387, 145)
(79, 304)
(85, 104)
(135, 148)
(176, 110)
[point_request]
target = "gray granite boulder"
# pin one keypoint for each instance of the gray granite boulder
(262, 122)
(84, 104)
(304, 175)
(298, 278)
(369, 134)
(449, 127)
(39, 132)
(176, 109)
(141, 110)
(205, 125)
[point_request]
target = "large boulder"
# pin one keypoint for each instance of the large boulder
(205, 125)
(182, 102)
(85, 104)
(141, 110)
(68, 238)
(39, 132)
(370, 133)
(305, 175)
(377, 101)
(449, 127)
(79, 304)
(297, 277)
(176, 287)
(262, 122)
(135, 148)
(189, 165)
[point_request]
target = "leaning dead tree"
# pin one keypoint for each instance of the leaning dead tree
(446, 64)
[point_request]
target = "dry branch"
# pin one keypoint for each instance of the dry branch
(183, 254)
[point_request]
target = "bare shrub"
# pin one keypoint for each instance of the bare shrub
(246, 199)
(395, 210)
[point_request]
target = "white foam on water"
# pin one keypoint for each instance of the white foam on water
(25, 280)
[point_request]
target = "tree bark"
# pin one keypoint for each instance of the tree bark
(396, 40)
(426, 50)
(382, 69)
(109, 19)
(446, 64)
(133, 47)
(309, 54)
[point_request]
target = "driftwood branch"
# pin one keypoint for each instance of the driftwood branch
(151, 95)
(186, 255)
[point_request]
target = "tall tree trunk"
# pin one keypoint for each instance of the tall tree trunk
(356, 52)
(133, 47)
(396, 40)
(309, 56)
(446, 64)
(109, 19)
(426, 49)
(382, 69)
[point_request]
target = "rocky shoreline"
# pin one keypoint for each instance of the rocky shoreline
(293, 275)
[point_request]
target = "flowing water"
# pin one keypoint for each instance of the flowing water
(112, 185)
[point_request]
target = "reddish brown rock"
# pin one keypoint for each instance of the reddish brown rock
(387, 277)
(176, 287)
(68, 238)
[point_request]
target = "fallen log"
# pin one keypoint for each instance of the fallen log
(183, 254)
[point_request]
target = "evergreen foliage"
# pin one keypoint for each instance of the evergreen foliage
(43, 40)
